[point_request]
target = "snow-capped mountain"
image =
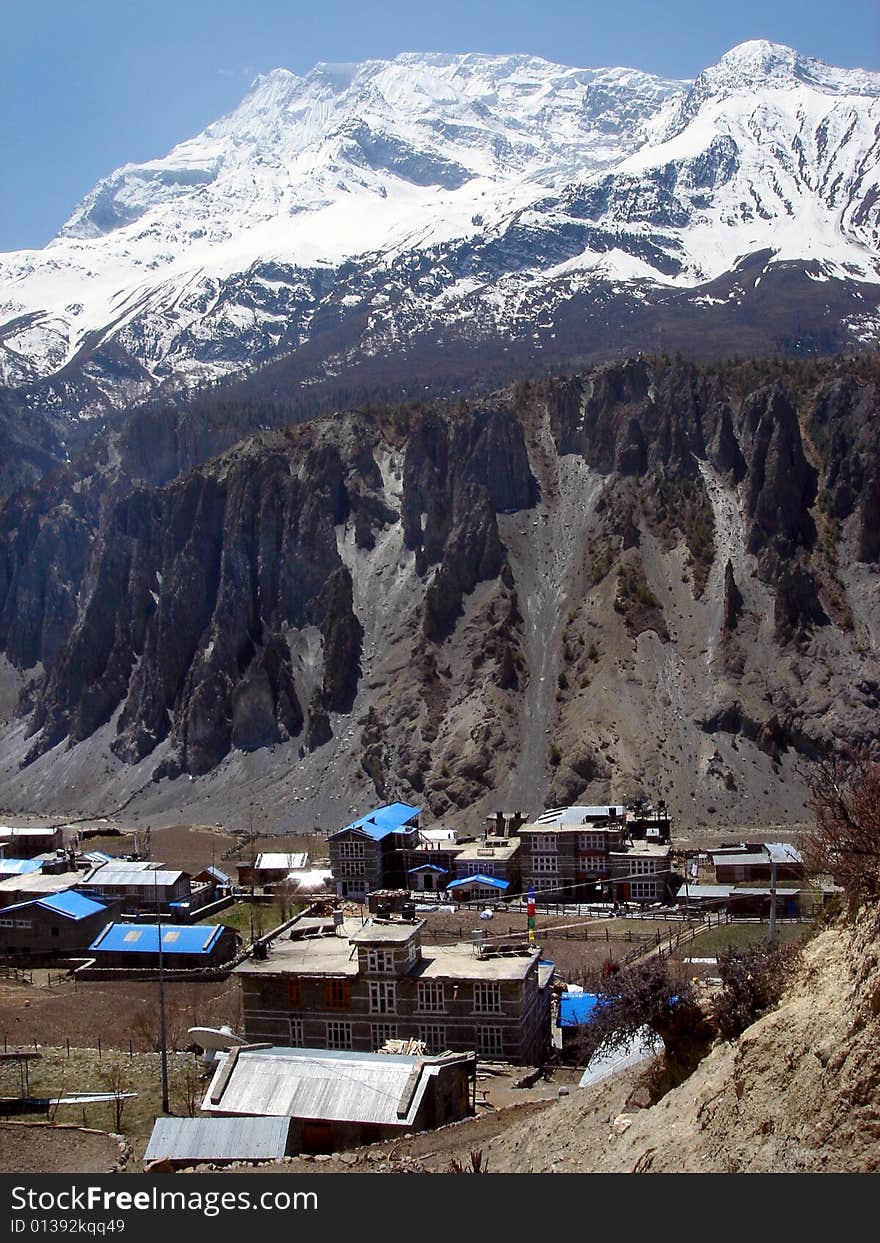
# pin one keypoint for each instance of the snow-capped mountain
(453, 200)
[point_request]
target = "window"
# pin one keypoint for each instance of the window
(434, 1037)
(642, 867)
(592, 841)
(643, 889)
(351, 867)
(545, 863)
(592, 863)
(490, 1041)
(485, 866)
(383, 997)
(380, 1032)
(544, 884)
(296, 1033)
(380, 960)
(337, 997)
(294, 994)
(544, 841)
(351, 850)
(338, 1035)
(430, 996)
(487, 997)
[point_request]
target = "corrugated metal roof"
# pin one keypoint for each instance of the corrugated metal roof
(19, 867)
(222, 877)
(704, 891)
(71, 905)
(11, 831)
(758, 893)
(429, 867)
(479, 879)
(579, 815)
(644, 1044)
(335, 1086)
(144, 938)
(783, 852)
(277, 862)
(750, 860)
(111, 874)
(218, 1139)
(384, 820)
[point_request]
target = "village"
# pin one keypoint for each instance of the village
(324, 994)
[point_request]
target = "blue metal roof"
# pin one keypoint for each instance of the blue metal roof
(429, 867)
(19, 867)
(222, 877)
(69, 903)
(144, 938)
(479, 879)
(575, 1009)
(72, 904)
(384, 820)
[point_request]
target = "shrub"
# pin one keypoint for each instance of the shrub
(649, 995)
(845, 838)
(752, 982)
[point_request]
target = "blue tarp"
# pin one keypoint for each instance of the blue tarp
(384, 820)
(479, 879)
(575, 1009)
(144, 938)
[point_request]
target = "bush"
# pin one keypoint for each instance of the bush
(752, 982)
(845, 838)
(649, 994)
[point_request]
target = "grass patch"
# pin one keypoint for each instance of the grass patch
(739, 936)
(57, 1074)
(261, 917)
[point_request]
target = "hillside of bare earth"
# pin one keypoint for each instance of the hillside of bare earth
(798, 1091)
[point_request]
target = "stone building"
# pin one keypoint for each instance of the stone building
(354, 986)
(565, 853)
(371, 853)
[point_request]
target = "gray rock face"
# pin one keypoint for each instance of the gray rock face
(425, 597)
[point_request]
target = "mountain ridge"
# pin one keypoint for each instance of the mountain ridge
(450, 203)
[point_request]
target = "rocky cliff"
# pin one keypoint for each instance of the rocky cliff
(649, 577)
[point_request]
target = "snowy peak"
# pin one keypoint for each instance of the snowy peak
(437, 195)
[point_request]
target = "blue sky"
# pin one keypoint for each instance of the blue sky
(87, 85)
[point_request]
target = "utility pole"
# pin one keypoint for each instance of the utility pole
(163, 1036)
(771, 934)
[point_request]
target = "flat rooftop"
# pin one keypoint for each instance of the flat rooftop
(337, 955)
(459, 962)
(643, 850)
(396, 931)
(38, 883)
(493, 848)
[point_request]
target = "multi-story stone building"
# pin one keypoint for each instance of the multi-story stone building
(565, 853)
(371, 853)
(430, 859)
(354, 986)
(482, 868)
(642, 872)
